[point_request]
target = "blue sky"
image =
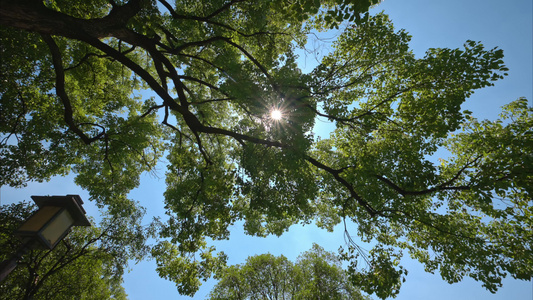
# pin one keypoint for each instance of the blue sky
(507, 25)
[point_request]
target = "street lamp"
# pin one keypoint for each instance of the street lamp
(48, 226)
(56, 215)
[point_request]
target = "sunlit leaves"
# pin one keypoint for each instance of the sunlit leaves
(184, 270)
(316, 274)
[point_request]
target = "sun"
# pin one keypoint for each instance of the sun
(276, 114)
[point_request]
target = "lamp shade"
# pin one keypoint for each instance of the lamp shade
(53, 220)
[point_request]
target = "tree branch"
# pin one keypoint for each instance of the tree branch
(61, 92)
(442, 186)
(346, 184)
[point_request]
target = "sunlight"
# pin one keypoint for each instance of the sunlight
(275, 114)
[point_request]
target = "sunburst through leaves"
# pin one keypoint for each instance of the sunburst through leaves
(276, 114)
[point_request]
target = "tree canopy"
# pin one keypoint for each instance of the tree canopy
(317, 274)
(73, 100)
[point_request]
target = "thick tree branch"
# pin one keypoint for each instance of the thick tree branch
(34, 16)
(61, 92)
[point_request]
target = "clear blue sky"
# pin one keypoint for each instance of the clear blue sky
(450, 23)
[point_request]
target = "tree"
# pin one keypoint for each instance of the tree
(87, 264)
(72, 102)
(317, 274)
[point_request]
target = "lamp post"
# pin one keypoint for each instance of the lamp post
(47, 227)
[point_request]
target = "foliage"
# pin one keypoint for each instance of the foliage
(317, 274)
(87, 264)
(72, 102)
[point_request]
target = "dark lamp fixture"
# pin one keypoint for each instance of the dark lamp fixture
(53, 220)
